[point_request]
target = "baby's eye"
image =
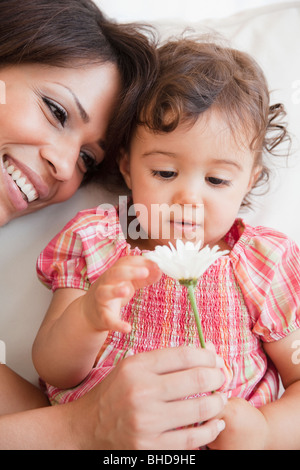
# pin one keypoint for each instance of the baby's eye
(59, 113)
(87, 162)
(166, 175)
(217, 181)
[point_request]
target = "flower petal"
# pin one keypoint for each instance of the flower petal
(186, 261)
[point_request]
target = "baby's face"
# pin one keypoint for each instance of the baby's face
(198, 175)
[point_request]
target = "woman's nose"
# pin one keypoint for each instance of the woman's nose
(62, 161)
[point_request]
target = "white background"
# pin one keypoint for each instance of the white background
(186, 10)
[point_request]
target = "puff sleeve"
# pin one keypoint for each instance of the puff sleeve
(267, 267)
(80, 252)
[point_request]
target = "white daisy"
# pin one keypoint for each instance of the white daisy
(186, 263)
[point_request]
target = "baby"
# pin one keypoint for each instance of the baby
(197, 142)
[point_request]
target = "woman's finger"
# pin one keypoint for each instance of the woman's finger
(190, 382)
(168, 360)
(190, 438)
(192, 410)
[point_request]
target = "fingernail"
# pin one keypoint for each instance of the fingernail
(210, 346)
(221, 425)
(224, 398)
(219, 362)
(143, 272)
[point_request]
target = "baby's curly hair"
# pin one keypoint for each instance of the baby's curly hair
(197, 75)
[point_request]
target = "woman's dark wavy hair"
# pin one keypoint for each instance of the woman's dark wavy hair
(75, 33)
(195, 76)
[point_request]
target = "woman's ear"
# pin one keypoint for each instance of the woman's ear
(124, 168)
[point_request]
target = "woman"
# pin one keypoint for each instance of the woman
(61, 61)
(67, 70)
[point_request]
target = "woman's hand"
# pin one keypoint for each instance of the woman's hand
(141, 405)
(114, 289)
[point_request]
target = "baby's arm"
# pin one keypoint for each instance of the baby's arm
(76, 324)
(272, 426)
(283, 416)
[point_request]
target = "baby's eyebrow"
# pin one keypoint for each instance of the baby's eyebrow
(159, 152)
(225, 161)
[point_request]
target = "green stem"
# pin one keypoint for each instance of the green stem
(191, 296)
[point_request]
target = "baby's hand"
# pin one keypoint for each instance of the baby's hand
(113, 289)
(246, 427)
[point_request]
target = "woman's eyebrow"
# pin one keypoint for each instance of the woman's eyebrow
(83, 114)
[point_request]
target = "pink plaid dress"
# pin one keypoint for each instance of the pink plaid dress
(246, 298)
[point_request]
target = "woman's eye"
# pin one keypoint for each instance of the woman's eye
(87, 162)
(218, 181)
(57, 111)
(164, 174)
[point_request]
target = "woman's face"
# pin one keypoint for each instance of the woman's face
(52, 129)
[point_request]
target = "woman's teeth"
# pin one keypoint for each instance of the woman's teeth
(24, 185)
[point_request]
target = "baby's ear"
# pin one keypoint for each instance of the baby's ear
(256, 172)
(124, 167)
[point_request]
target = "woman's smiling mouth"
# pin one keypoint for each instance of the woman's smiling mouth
(27, 189)
(22, 184)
